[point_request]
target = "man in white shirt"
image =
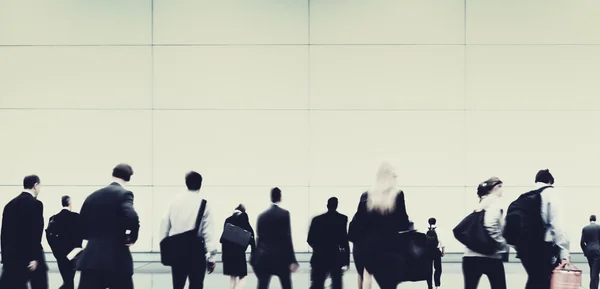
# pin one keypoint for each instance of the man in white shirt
(539, 261)
(436, 255)
(181, 217)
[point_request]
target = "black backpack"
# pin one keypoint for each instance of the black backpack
(472, 233)
(432, 238)
(524, 224)
(53, 233)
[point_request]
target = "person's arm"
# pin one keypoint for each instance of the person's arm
(311, 234)
(208, 233)
(246, 223)
(165, 225)
(441, 245)
(288, 234)
(401, 206)
(345, 241)
(582, 242)
(131, 218)
(492, 222)
(37, 230)
(557, 224)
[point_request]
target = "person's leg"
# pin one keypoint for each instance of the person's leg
(13, 278)
(535, 266)
(367, 279)
(495, 273)
(180, 275)
(429, 274)
(66, 268)
(91, 280)
(38, 279)
(197, 272)
(286, 280)
(437, 265)
(122, 282)
(337, 279)
(241, 282)
(317, 278)
(263, 280)
(232, 282)
(595, 274)
(471, 272)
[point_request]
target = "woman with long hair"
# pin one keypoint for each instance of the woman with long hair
(475, 264)
(380, 218)
(234, 255)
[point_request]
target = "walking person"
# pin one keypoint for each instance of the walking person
(436, 252)
(111, 225)
(475, 264)
(590, 245)
(274, 248)
(380, 220)
(357, 235)
(234, 255)
(328, 237)
(64, 235)
(535, 226)
(23, 258)
(183, 213)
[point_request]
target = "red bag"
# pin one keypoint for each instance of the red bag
(566, 278)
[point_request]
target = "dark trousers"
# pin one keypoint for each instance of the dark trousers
(103, 280)
(594, 263)
(437, 275)
(66, 268)
(319, 275)
(17, 278)
(195, 271)
(539, 265)
(265, 278)
(475, 267)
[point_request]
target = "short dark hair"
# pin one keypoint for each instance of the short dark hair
(332, 204)
(544, 176)
(30, 181)
(65, 200)
(241, 208)
(193, 181)
(432, 221)
(123, 172)
(593, 218)
(275, 195)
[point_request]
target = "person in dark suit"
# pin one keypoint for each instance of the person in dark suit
(274, 250)
(328, 237)
(21, 238)
(107, 215)
(590, 244)
(234, 256)
(66, 237)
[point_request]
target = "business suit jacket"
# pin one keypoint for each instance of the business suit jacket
(327, 235)
(106, 215)
(22, 229)
(69, 231)
(274, 248)
(590, 240)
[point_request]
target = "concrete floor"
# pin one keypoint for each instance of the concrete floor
(155, 276)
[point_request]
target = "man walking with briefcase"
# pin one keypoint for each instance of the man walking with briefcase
(188, 239)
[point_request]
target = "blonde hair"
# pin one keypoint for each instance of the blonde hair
(382, 197)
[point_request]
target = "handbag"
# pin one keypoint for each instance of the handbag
(565, 278)
(179, 248)
(472, 233)
(236, 235)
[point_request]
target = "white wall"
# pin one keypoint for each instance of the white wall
(231, 89)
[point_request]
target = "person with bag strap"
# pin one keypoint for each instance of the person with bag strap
(188, 236)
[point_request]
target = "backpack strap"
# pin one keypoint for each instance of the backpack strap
(200, 215)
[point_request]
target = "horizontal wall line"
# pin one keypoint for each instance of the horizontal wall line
(314, 109)
(298, 186)
(298, 44)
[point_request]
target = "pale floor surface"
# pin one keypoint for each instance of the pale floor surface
(154, 276)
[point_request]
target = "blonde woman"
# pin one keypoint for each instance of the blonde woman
(380, 218)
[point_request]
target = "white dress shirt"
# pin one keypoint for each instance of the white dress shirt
(552, 214)
(181, 217)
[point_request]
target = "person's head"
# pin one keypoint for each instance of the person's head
(432, 221)
(123, 172)
(276, 195)
(193, 181)
(382, 197)
(31, 184)
(65, 201)
(491, 186)
(545, 177)
(593, 218)
(332, 204)
(241, 208)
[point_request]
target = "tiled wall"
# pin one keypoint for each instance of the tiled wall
(308, 96)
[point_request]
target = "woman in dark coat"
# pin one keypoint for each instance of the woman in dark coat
(380, 218)
(234, 256)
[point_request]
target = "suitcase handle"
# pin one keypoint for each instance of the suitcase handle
(563, 267)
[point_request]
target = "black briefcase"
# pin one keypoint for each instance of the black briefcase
(236, 235)
(178, 248)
